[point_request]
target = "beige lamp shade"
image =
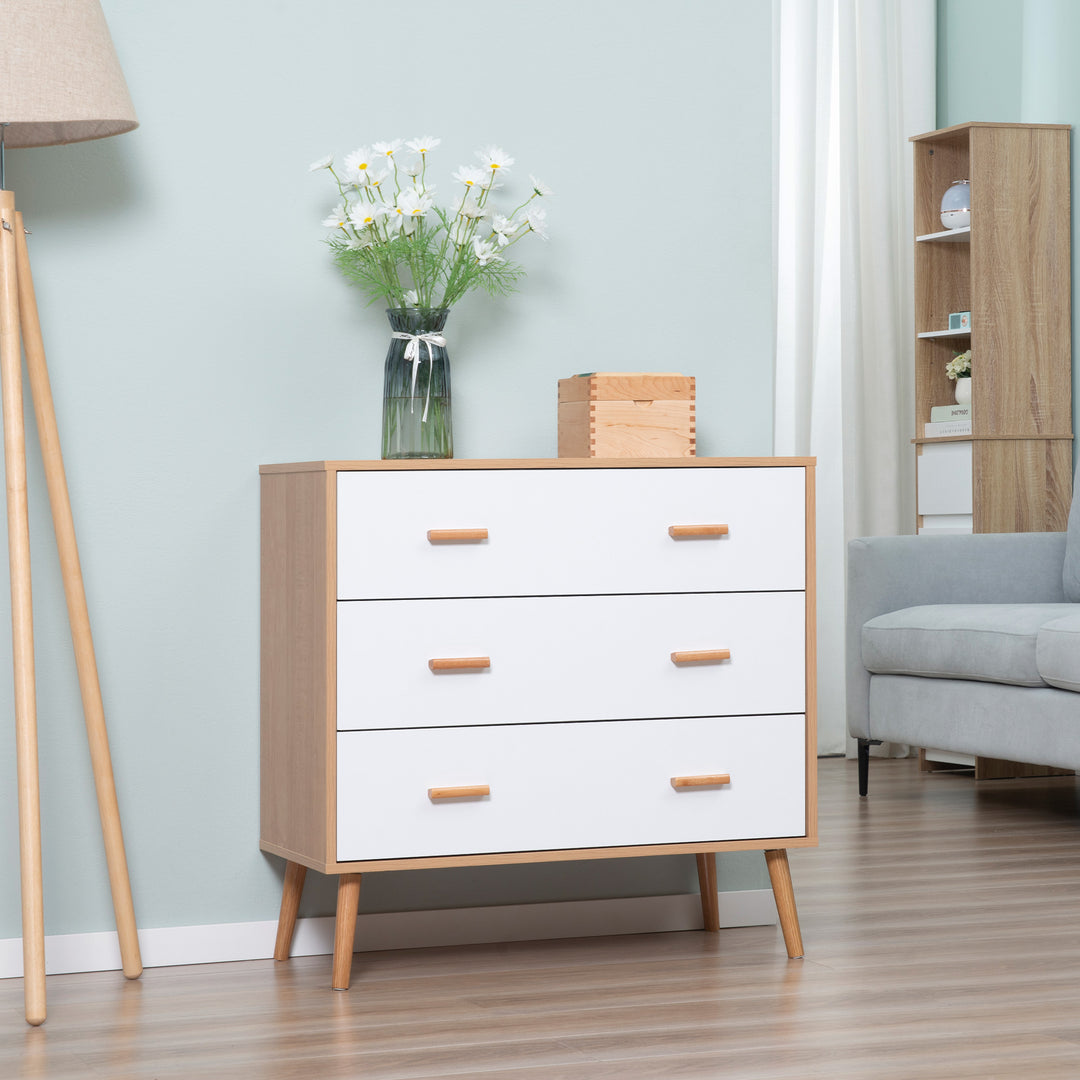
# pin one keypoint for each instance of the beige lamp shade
(60, 81)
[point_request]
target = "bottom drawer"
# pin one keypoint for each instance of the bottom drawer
(572, 785)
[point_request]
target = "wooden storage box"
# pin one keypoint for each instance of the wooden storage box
(626, 414)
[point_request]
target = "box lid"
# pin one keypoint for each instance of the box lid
(627, 386)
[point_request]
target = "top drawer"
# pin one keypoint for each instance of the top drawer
(569, 531)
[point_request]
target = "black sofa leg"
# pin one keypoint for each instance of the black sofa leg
(864, 763)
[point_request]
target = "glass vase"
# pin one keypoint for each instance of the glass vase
(416, 386)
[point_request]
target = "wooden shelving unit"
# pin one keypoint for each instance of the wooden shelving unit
(1011, 269)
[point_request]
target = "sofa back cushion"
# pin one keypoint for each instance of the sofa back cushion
(1070, 577)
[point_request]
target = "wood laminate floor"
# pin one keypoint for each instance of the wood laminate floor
(942, 927)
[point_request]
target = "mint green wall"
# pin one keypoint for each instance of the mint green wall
(1013, 61)
(989, 89)
(1008, 60)
(195, 328)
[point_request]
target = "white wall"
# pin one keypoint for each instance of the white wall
(195, 329)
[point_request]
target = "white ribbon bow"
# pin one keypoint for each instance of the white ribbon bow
(412, 353)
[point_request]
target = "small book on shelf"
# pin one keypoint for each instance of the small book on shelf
(949, 412)
(946, 427)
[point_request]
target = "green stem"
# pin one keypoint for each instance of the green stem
(522, 206)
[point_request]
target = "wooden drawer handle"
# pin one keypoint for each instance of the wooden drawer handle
(470, 791)
(452, 536)
(711, 780)
(701, 656)
(680, 532)
(460, 663)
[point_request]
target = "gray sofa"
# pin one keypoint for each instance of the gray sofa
(967, 643)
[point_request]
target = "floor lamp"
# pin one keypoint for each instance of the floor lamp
(60, 82)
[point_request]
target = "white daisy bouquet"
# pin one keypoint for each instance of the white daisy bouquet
(392, 240)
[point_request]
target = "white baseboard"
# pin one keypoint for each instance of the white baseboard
(171, 946)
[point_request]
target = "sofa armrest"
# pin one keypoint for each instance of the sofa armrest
(887, 573)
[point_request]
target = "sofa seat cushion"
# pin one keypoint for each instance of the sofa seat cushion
(1057, 653)
(986, 642)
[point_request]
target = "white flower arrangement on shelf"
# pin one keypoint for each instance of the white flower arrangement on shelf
(959, 367)
(392, 240)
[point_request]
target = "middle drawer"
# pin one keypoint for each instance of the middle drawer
(554, 658)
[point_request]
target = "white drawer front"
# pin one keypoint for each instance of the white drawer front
(561, 786)
(569, 531)
(568, 658)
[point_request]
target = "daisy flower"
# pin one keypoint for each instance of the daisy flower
(337, 218)
(503, 228)
(387, 149)
(322, 163)
(470, 176)
(413, 203)
(539, 187)
(360, 166)
(494, 159)
(537, 219)
(366, 214)
(410, 207)
(424, 145)
(484, 252)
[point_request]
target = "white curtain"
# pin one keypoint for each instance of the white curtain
(853, 79)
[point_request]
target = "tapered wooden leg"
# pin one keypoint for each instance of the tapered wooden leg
(784, 894)
(78, 615)
(348, 902)
(290, 905)
(710, 902)
(22, 622)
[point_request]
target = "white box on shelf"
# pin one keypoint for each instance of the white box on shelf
(944, 478)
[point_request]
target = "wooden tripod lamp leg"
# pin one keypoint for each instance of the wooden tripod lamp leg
(78, 615)
(22, 622)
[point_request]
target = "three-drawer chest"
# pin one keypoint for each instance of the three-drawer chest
(471, 662)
